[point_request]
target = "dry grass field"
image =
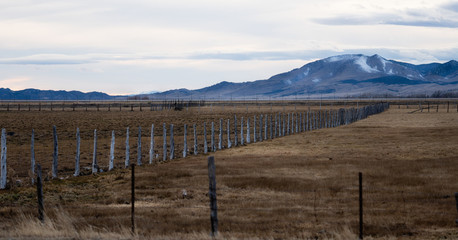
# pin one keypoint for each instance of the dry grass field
(303, 186)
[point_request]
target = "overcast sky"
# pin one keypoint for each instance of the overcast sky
(126, 47)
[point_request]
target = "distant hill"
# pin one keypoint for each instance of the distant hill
(338, 76)
(35, 94)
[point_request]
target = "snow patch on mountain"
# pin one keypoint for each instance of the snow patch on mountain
(362, 62)
(306, 73)
(316, 80)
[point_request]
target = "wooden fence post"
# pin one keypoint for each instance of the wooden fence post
(456, 200)
(229, 142)
(195, 139)
(172, 143)
(127, 162)
(220, 136)
(139, 147)
(260, 127)
(448, 106)
(236, 139)
(283, 124)
(212, 140)
(275, 126)
(77, 157)
(112, 148)
(254, 128)
(288, 122)
(94, 156)
(297, 125)
(151, 145)
(132, 198)
(271, 127)
(212, 195)
(242, 140)
(32, 157)
(265, 126)
(3, 160)
(40, 194)
(185, 141)
(360, 205)
(164, 142)
(205, 139)
(55, 154)
(248, 138)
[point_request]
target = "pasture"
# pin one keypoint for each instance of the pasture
(301, 186)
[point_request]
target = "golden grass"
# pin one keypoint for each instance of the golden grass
(303, 186)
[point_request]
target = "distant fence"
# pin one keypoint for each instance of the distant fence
(239, 132)
(156, 105)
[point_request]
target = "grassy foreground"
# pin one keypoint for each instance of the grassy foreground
(303, 186)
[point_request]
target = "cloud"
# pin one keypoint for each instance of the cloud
(386, 19)
(442, 16)
(452, 6)
(46, 59)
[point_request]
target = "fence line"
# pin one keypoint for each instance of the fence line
(262, 129)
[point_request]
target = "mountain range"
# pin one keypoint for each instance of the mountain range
(351, 75)
(36, 94)
(338, 76)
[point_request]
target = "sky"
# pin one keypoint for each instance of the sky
(138, 46)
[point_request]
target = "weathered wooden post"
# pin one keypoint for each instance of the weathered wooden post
(283, 125)
(127, 161)
(40, 194)
(360, 205)
(448, 106)
(95, 167)
(456, 200)
(151, 145)
(265, 126)
(229, 142)
(112, 148)
(212, 195)
(212, 140)
(242, 140)
(276, 125)
(55, 153)
(32, 157)
(271, 127)
(254, 128)
(297, 125)
(205, 139)
(185, 141)
(236, 139)
(195, 138)
(220, 136)
(248, 138)
(139, 147)
(260, 127)
(77, 157)
(287, 129)
(172, 143)
(164, 143)
(300, 122)
(132, 199)
(3, 160)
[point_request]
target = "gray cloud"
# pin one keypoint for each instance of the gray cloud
(408, 17)
(387, 19)
(452, 6)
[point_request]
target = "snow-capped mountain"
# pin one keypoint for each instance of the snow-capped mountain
(344, 75)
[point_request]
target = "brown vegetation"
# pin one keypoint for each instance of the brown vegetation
(296, 187)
